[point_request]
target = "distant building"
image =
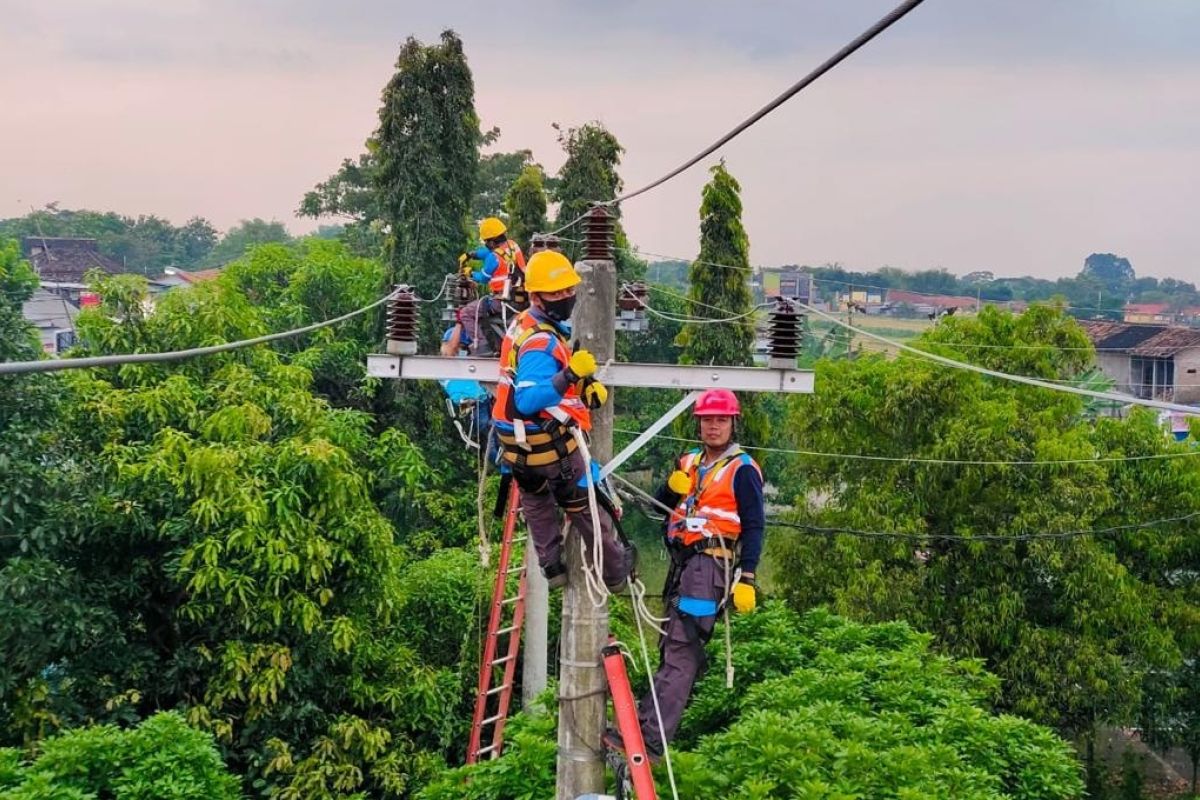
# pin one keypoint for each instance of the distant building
(927, 305)
(1154, 362)
(54, 318)
(1161, 314)
(63, 260)
(791, 282)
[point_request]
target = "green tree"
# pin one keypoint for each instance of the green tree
(589, 175)
(825, 708)
(245, 235)
(723, 292)
(224, 553)
(525, 205)
(497, 173)
(427, 150)
(1072, 626)
(160, 758)
(193, 242)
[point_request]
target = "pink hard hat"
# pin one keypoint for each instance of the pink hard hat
(717, 403)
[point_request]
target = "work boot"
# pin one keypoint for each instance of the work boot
(556, 575)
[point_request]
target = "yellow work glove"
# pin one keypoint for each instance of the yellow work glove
(744, 596)
(595, 393)
(581, 365)
(680, 482)
(463, 266)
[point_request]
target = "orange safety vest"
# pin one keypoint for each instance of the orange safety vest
(511, 270)
(527, 331)
(710, 510)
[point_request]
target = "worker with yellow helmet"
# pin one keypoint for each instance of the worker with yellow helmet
(544, 391)
(503, 270)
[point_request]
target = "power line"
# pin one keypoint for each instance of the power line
(820, 530)
(54, 365)
(944, 461)
(968, 367)
(986, 537)
(879, 27)
(866, 36)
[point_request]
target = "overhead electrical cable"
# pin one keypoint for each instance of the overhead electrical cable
(970, 462)
(54, 365)
(866, 36)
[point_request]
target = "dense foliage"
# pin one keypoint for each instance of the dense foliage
(160, 759)
(1077, 627)
(824, 707)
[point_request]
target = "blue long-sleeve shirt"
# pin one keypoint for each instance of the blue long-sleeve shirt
(537, 385)
(751, 505)
(491, 262)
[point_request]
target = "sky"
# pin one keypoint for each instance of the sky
(1016, 136)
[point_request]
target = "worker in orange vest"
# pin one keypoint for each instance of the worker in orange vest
(715, 537)
(543, 393)
(502, 269)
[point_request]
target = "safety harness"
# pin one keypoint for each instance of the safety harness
(554, 441)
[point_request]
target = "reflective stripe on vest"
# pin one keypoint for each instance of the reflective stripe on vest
(511, 259)
(712, 505)
(524, 332)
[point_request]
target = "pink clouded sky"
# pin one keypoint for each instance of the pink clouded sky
(1011, 135)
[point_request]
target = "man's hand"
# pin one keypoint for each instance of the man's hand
(464, 265)
(745, 598)
(582, 365)
(595, 393)
(680, 483)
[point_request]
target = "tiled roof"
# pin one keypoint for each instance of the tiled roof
(1140, 340)
(66, 260)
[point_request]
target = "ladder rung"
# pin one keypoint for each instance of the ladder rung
(520, 539)
(490, 720)
(499, 689)
(511, 570)
(503, 660)
(483, 750)
(503, 631)
(513, 599)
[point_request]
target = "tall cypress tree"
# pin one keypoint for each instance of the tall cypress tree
(589, 175)
(723, 292)
(525, 205)
(427, 149)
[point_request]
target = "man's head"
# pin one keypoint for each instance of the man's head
(717, 410)
(493, 232)
(550, 279)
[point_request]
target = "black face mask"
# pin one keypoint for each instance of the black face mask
(559, 310)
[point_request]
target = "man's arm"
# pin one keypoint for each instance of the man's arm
(748, 490)
(536, 387)
(490, 264)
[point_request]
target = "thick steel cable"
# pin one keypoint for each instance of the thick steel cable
(879, 27)
(54, 365)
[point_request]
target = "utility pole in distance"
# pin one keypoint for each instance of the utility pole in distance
(581, 709)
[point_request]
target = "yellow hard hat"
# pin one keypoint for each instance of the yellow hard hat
(490, 228)
(549, 271)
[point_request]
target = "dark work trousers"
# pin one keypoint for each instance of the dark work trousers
(543, 491)
(682, 649)
(475, 317)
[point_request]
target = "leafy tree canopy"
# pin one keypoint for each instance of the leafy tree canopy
(824, 707)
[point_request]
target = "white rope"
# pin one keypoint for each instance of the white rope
(657, 706)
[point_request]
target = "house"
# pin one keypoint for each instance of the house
(1161, 314)
(63, 260)
(928, 305)
(791, 282)
(54, 318)
(1158, 362)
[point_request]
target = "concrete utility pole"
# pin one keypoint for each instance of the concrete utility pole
(581, 710)
(537, 618)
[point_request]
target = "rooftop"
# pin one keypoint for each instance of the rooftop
(1151, 341)
(66, 260)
